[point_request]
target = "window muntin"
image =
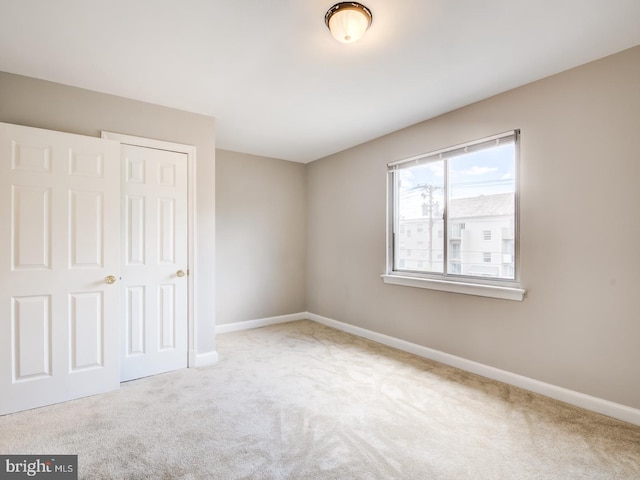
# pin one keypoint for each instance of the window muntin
(461, 204)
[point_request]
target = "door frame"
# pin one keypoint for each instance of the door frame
(190, 152)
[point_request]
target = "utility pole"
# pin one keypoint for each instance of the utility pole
(429, 205)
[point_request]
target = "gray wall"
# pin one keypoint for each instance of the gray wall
(36, 103)
(579, 326)
(293, 237)
(261, 237)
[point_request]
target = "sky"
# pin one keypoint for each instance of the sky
(485, 172)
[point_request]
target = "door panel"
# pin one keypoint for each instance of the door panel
(31, 232)
(154, 319)
(59, 196)
(135, 240)
(134, 300)
(166, 231)
(85, 229)
(87, 324)
(32, 333)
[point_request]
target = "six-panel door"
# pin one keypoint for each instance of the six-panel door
(60, 240)
(154, 288)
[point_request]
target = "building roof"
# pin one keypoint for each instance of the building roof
(482, 206)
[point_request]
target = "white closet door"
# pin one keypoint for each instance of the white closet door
(155, 286)
(60, 241)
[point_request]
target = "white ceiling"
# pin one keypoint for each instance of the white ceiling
(276, 81)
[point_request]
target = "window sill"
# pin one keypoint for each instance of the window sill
(493, 291)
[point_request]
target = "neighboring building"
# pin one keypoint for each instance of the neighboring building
(480, 235)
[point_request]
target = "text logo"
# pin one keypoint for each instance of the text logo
(49, 467)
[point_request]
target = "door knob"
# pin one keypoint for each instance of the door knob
(110, 279)
(180, 273)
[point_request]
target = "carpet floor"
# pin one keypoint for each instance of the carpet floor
(304, 401)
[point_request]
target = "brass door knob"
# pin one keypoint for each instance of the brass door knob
(110, 279)
(180, 273)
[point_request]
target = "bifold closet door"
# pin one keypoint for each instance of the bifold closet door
(59, 266)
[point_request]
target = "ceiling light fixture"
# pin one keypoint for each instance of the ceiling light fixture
(348, 21)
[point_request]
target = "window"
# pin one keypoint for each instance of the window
(462, 197)
(456, 230)
(454, 253)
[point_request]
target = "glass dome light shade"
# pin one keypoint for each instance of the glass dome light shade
(348, 21)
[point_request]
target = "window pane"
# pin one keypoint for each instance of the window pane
(481, 213)
(420, 203)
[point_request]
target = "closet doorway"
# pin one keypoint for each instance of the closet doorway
(96, 263)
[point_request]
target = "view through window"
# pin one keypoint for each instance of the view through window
(454, 212)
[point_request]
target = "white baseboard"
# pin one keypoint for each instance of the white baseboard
(595, 404)
(262, 322)
(202, 359)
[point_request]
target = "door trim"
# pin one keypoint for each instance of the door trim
(190, 152)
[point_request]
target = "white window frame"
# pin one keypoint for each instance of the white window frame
(495, 288)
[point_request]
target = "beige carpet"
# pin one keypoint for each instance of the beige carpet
(303, 401)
